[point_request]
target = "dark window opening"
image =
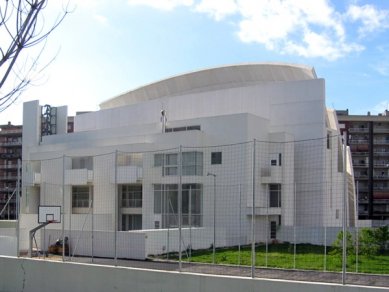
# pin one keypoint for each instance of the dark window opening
(216, 158)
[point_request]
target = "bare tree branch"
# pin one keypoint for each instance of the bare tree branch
(26, 18)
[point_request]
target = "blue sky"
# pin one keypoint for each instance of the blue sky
(104, 48)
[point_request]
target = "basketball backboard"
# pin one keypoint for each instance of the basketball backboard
(50, 214)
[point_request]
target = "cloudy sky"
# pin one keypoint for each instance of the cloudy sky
(104, 48)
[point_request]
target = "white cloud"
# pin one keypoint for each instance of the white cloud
(380, 107)
(320, 45)
(382, 68)
(162, 4)
(217, 9)
(300, 27)
(306, 28)
(372, 19)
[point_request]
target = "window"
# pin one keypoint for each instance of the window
(127, 159)
(171, 164)
(275, 159)
(81, 198)
(131, 196)
(184, 128)
(216, 158)
(274, 195)
(328, 141)
(131, 222)
(166, 204)
(192, 163)
(273, 229)
(82, 163)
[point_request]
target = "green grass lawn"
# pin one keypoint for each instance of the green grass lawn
(308, 257)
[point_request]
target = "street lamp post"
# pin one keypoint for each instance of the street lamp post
(214, 215)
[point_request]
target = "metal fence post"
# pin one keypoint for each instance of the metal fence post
(344, 254)
(18, 209)
(116, 202)
(63, 208)
(240, 222)
(180, 211)
(356, 229)
(253, 216)
(294, 226)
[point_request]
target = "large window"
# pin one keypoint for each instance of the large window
(131, 196)
(275, 195)
(81, 198)
(192, 163)
(131, 222)
(166, 204)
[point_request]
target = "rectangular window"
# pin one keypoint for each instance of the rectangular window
(216, 158)
(131, 196)
(166, 204)
(131, 222)
(192, 163)
(170, 164)
(81, 198)
(158, 159)
(273, 229)
(82, 163)
(274, 195)
(127, 159)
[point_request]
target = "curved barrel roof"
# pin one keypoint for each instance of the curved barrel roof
(213, 79)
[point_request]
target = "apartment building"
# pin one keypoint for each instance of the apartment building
(236, 141)
(368, 138)
(10, 153)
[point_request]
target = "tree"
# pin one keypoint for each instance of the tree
(368, 242)
(21, 29)
(337, 245)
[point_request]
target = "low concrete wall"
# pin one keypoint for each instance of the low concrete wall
(20, 274)
(8, 245)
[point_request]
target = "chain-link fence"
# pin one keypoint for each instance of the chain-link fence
(250, 209)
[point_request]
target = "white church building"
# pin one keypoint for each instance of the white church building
(208, 145)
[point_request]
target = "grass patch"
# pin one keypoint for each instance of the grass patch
(308, 257)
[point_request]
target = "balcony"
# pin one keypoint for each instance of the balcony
(127, 174)
(271, 175)
(360, 176)
(381, 164)
(11, 143)
(380, 130)
(358, 141)
(358, 130)
(381, 153)
(381, 141)
(9, 166)
(381, 176)
(9, 177)
(360, 164)
(78, 176)
(360, 153)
